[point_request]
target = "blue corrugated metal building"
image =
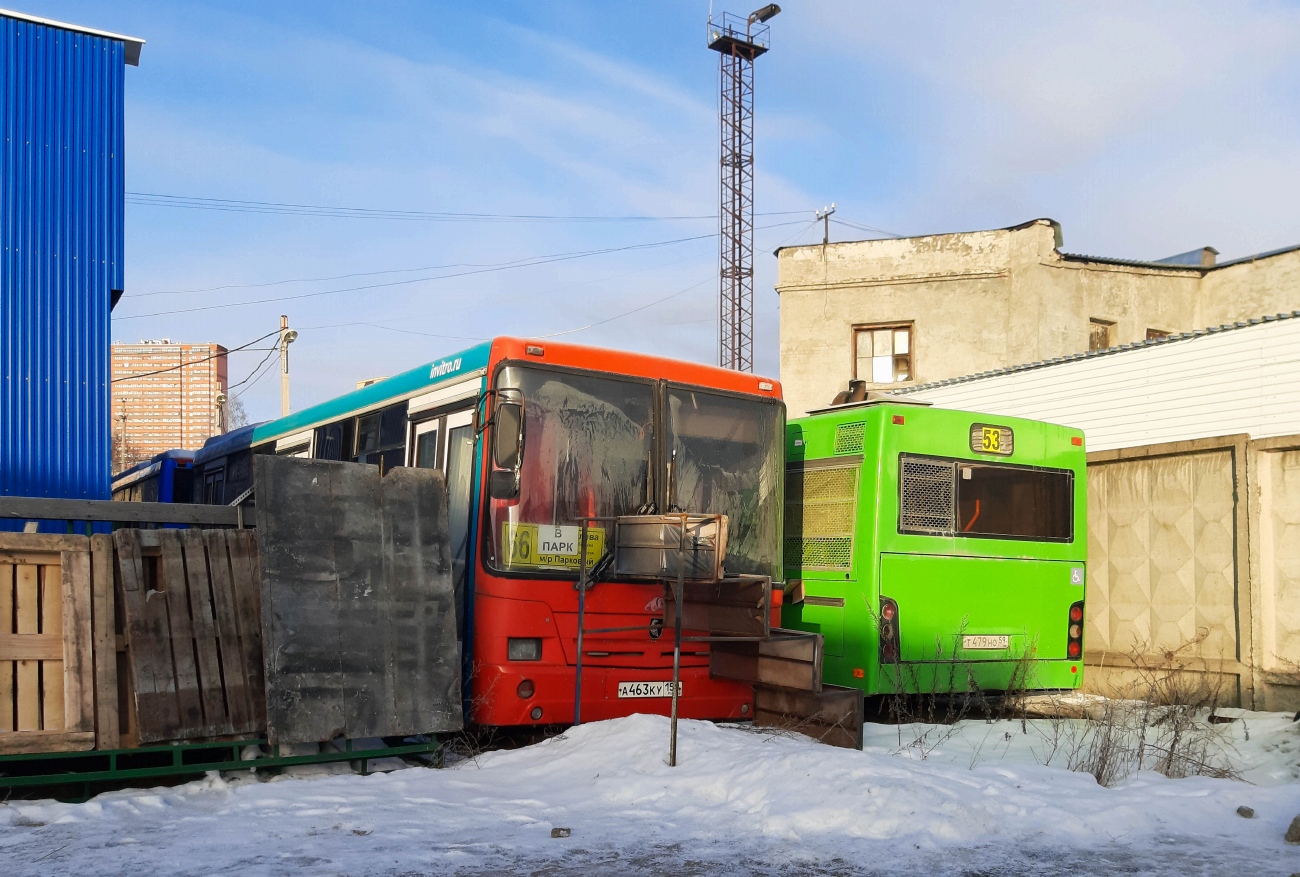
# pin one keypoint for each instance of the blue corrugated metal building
(62, 196)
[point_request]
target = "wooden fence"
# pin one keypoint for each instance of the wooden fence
(191, 634)
(47, 654)
(116, 640)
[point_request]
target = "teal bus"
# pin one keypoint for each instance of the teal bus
(937, 551)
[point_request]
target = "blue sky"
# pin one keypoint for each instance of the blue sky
(1145, 129)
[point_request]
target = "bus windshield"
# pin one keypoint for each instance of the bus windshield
(588, 450)
(725, 457)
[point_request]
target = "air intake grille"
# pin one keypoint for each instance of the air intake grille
(830, 553)
(819, 515)
(927, 490)
(848, 438)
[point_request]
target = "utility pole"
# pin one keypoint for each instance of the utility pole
(121, 438)
(287, 337)
(738, 42)
(825, 216)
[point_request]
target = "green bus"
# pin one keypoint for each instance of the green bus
(937, 551)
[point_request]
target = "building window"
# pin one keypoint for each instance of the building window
(1101, 334)
(882, 354)
(1156, 334)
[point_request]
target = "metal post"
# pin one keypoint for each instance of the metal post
(284, 365)
(582, 621)
(677, 641)
(825, 216)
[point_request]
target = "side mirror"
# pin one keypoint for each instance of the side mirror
(503, 484)
(507, 449)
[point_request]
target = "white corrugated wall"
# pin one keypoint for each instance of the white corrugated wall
(1240, 380)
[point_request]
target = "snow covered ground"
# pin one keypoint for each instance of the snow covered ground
(740, 802)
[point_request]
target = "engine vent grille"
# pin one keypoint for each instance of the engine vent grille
(819, 515)
(848, 438)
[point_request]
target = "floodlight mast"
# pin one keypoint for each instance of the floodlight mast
(737, 49)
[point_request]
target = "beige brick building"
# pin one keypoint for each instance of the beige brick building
(164, 396)
(898, 313)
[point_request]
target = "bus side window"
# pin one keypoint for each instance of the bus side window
(333, 441)
(214, 487)
(381, 437)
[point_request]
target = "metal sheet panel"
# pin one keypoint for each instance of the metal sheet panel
(61, 250)
(1240, 379)
(359, 618)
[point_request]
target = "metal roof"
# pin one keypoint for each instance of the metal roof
(1135, 263)
(1258, 256)
(133, 44)
(220, 445)
(1137, 345)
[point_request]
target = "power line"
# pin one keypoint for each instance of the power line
(708, 279)
(864, 227)
(256, 368)
(196, 361)
(191, 202)
(395, 329)
(799, 232)
(522, 262)
(502, 267)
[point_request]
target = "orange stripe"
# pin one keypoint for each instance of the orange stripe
(633, 364)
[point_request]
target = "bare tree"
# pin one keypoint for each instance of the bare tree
(236, 414)
(122, 454)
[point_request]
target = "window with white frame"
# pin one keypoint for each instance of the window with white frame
(883, 354)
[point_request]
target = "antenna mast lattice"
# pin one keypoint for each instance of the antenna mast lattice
(738, 41)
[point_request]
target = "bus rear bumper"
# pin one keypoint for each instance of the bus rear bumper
(960, 677)
(497, 699)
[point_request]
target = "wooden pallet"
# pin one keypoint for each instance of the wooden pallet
(833, 715)
(784, 666)
(732, 606)
(192, 634)
(47, 650)
(791, 658)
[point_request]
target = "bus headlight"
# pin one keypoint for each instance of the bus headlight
(524, 649)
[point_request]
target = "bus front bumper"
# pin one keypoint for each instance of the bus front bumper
(496, 698)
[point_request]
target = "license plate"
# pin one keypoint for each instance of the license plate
(985, 642)
(648, 689)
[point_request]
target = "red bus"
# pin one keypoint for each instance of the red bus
(535, 436)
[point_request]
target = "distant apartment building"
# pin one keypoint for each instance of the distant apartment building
(899, 313)
(164, 396)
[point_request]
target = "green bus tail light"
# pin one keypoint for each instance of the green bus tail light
(888, 631)
(1074, 633)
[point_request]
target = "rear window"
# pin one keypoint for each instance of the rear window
(966, 498)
